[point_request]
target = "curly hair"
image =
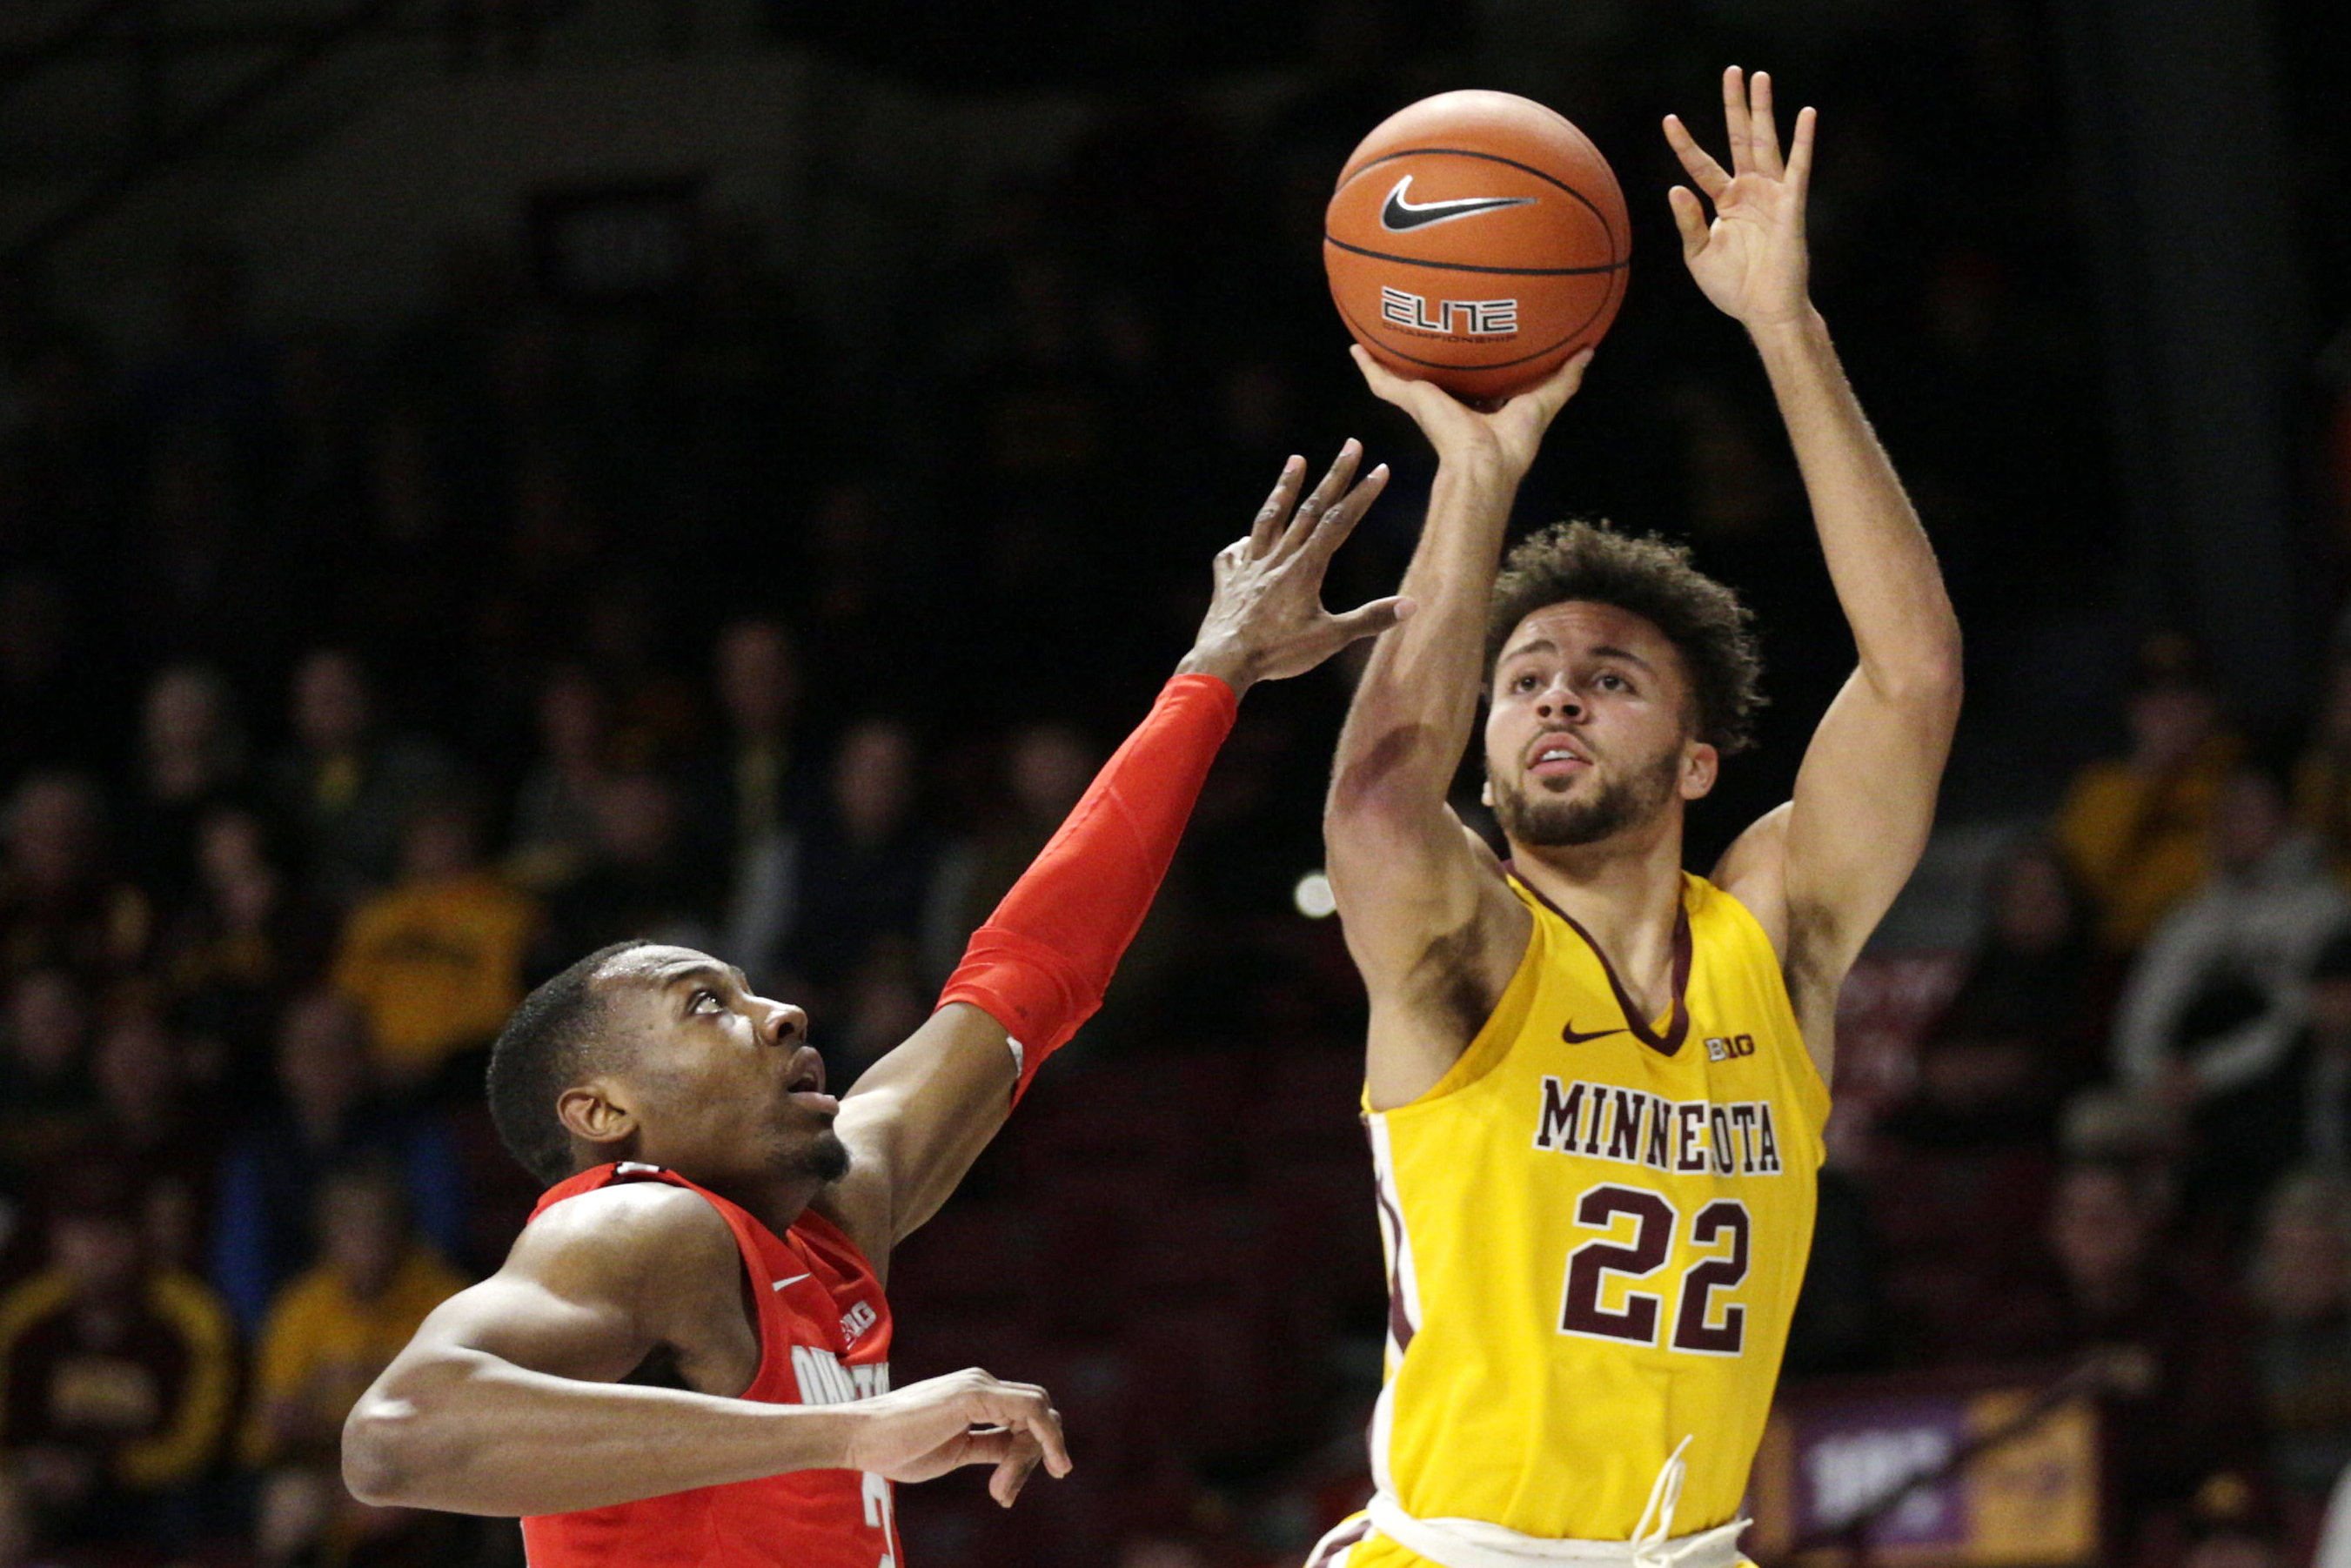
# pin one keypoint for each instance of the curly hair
(1653, 578)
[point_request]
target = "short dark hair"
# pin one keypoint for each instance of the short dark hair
(542, 1051)
(1586, 558)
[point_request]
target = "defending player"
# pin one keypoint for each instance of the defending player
(1595, 1081)
(684, 1358)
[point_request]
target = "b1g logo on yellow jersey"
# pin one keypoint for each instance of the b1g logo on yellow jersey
(1722, 1048)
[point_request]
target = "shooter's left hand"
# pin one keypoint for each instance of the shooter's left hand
(1751, 261)
(1266, 620)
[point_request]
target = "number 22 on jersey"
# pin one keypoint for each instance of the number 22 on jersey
(1700, 1324)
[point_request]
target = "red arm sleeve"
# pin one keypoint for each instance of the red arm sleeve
(1041, 963)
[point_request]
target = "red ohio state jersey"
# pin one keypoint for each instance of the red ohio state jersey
(824, 1339)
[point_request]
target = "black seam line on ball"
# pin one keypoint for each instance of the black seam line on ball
(1472, 266)
(1607, 228)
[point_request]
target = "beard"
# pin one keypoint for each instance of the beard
(1544, 821)
(823, 1156)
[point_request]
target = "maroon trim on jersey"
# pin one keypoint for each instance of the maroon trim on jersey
(1399, 1325)
(1678, 1021)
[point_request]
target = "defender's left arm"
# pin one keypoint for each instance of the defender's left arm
(1036, 970)
(1821, 871)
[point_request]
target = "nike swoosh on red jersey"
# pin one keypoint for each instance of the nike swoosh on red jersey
(779, 1284)
(1570, 1035)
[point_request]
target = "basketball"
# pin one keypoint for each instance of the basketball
(1477, 240)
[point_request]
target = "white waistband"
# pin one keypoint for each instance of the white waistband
(1474, 1544)
(1481, 1543)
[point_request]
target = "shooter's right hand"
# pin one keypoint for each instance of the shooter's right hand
(966, 1418)
(1505, 438)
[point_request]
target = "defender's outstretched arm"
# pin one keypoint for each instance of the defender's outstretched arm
(1821, 871)
(1418, 891)
(1036, 970)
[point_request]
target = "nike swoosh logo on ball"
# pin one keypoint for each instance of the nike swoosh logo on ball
(1400, 214)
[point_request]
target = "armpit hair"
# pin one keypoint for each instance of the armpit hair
(1447, 973)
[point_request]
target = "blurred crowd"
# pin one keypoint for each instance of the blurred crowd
(349, 682)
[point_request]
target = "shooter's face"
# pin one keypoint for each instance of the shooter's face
(1589, 730)
(722, 1085)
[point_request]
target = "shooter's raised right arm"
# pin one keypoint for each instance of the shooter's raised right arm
(1424, 908)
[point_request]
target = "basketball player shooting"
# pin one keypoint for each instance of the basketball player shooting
(684, 1358)
(1596, 1083)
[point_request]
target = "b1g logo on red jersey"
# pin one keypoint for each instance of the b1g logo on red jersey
(857, 1320)
(1450, 318)
(1722, 1048)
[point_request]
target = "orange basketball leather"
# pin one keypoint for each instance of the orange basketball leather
(1477, 240)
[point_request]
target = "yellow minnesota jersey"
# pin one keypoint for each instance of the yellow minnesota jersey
(1595, 1229)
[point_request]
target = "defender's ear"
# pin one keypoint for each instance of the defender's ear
(1701, 765)
(593, 1113)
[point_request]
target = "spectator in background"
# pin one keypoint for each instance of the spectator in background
(2216, 1001)
(151, 1136)
(327, 1114)
(248, 939)
(1047, 768)
(119, 1375)
(2169, 1351)
(329, 1332)
(867, 860)
(2134, 828)
(45, 1081)
(2032, 980)
(191, 762)
(2300, 1287)
(882, 1000)
(60, 904)
(640, 881)
(436, 963)
(747, 800)
(555, 811)
(1966, 1158)
(345, 787)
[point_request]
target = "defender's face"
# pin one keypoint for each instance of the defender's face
(1589, 727)
(722, 1084)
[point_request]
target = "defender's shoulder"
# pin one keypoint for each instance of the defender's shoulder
(630, 1226)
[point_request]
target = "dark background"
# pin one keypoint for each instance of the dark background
(480, 478)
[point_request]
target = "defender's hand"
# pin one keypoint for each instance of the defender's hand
(968, 1418)
(1507, 436)
(1266, 621)
(1751, 261)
